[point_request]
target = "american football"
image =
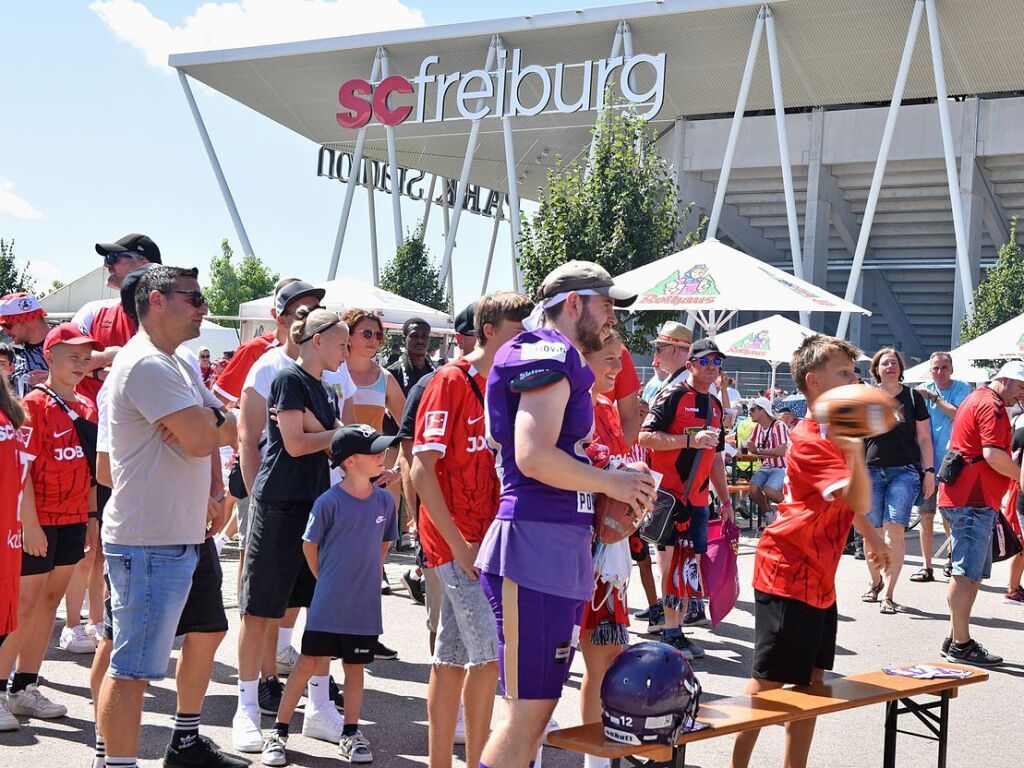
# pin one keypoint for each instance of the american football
(615, 520)
(857, 410)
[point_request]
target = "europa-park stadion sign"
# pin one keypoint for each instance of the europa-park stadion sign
(481, 93)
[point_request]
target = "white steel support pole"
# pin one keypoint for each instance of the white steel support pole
(737, 120)
(427, 205)
(396, 193)
(467, 164)
(513, 184)
(350, 188)
(880, 163)
(617, 43)
(225, 191)
(953, 179)
(490, 250)
(372, 211)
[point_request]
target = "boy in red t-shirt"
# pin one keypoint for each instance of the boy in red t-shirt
(57, 510)
(827, 489)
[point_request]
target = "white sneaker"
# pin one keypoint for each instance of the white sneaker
(76, 640)
(8, 722)
(355, 748)
(286, 661)
(31, 703)
(551, 726)
(273, 750)
(245, 731)
(324, 724)
(460, 727)
(99, 762)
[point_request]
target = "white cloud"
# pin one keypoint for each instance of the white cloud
(13, 205)
(215, 26)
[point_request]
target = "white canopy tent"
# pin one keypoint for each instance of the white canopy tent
(962, 370)
(345, 292)
(713, 282)
(1003, 342)
(773, 340)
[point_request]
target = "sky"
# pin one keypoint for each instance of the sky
(97, 140)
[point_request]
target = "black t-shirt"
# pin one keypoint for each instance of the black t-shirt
(898, 447)
(407, 430)
(408, 376)
(283, 477)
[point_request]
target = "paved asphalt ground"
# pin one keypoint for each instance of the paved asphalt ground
(986, 719)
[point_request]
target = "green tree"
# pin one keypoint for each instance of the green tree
(1000, 296)
(12, 279)
(623, 214)
(55, 285)
(412, 275)
(232, 285)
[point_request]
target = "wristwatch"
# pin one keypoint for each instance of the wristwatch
(930, 469)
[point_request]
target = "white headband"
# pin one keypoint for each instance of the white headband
(536, 318)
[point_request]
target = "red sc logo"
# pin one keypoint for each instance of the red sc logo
(351, 94)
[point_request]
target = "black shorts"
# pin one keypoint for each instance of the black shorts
(103, 495)
(275, 576)
(204, 608)
(638, 549)
(792, 638)
(351, 649)
(65, 545)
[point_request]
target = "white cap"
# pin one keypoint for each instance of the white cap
(1011, 370)
(764, 404)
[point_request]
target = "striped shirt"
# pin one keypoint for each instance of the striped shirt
(776, 435)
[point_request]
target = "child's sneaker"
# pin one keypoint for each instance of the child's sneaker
(286, 661)
(695, 616)
(656, 622)
(355, 748)
(76, 640)
(273, 749)
(245, 730)
(324, 724)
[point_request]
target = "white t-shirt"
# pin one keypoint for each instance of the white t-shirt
(84, 317)
(160, 491)
(263, 371)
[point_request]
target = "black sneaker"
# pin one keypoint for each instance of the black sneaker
(695, 616)
(201, 753)
(269, 695)
(415, 587)
(337, 698)
(645, 614)
(945, 647)
(689, 648)
(384, 653)
(973, 652)
(656, 622)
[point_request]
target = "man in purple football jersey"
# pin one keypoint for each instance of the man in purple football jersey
(535, 560)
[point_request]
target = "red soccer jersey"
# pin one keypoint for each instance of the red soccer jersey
(12, 479)
(450, 420)
(608, 429)
(765, 439)
(111, 327)
(231, 380)
(627, 382)
(981, 421)
(60, 472)
(798, 554)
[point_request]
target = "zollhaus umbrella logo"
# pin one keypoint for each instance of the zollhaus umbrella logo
(695, 286)
(755, 344)
(1020, 343)
(799, 289)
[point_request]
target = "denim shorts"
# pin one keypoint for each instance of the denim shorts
(971, 531)
(148, 590)
(894, 491)
(769, 477)
(468, 632)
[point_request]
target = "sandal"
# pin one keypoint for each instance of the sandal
(947, 570)
(871, 596)
(889, 608)
(925, 574)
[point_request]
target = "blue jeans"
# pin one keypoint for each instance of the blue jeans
(148, 590)
(893, 492)
(970, 529)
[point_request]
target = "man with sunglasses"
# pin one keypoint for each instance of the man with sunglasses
(24, 321)
(684, 434)
(105, 320)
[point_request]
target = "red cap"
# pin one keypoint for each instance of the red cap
(68, 333)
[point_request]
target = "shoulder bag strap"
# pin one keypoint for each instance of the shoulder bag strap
(472, 383)
(72, 414)
(698, 455)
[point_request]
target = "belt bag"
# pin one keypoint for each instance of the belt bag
(953, 464)
(1005, 543)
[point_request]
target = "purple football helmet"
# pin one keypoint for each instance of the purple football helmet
(649, 695)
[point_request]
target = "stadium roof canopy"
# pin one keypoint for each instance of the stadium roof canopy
(832, 53)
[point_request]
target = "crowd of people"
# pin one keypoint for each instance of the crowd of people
(127, 462)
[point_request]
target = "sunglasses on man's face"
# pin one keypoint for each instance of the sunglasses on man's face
(204, 357)
(195, 298)
(705, 361)
(367, 334)
(110, 259)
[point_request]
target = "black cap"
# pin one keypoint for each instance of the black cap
(354, 439)
(133, 243)
(703, 347)
(293, 292)
(464, 321)
(128, 285)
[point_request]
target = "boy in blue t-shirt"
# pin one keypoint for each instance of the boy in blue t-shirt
(349, 530)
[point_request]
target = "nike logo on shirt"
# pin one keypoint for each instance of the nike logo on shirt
(474, 421)
(59, 435)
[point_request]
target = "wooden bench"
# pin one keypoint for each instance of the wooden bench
(785, 705)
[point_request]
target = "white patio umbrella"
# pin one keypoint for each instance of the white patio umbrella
(1003, 342)
(773, 340)
(962, 370)
(714, 281)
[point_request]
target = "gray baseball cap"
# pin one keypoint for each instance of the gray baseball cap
(585, 275)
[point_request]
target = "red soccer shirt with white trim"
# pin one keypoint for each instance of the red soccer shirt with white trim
(798, 554)
(450, 420)
(231, 380)
(12, 479)
(60, 472)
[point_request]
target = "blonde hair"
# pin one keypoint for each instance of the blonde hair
(309, 322)
(814, 353)
(498, 306)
